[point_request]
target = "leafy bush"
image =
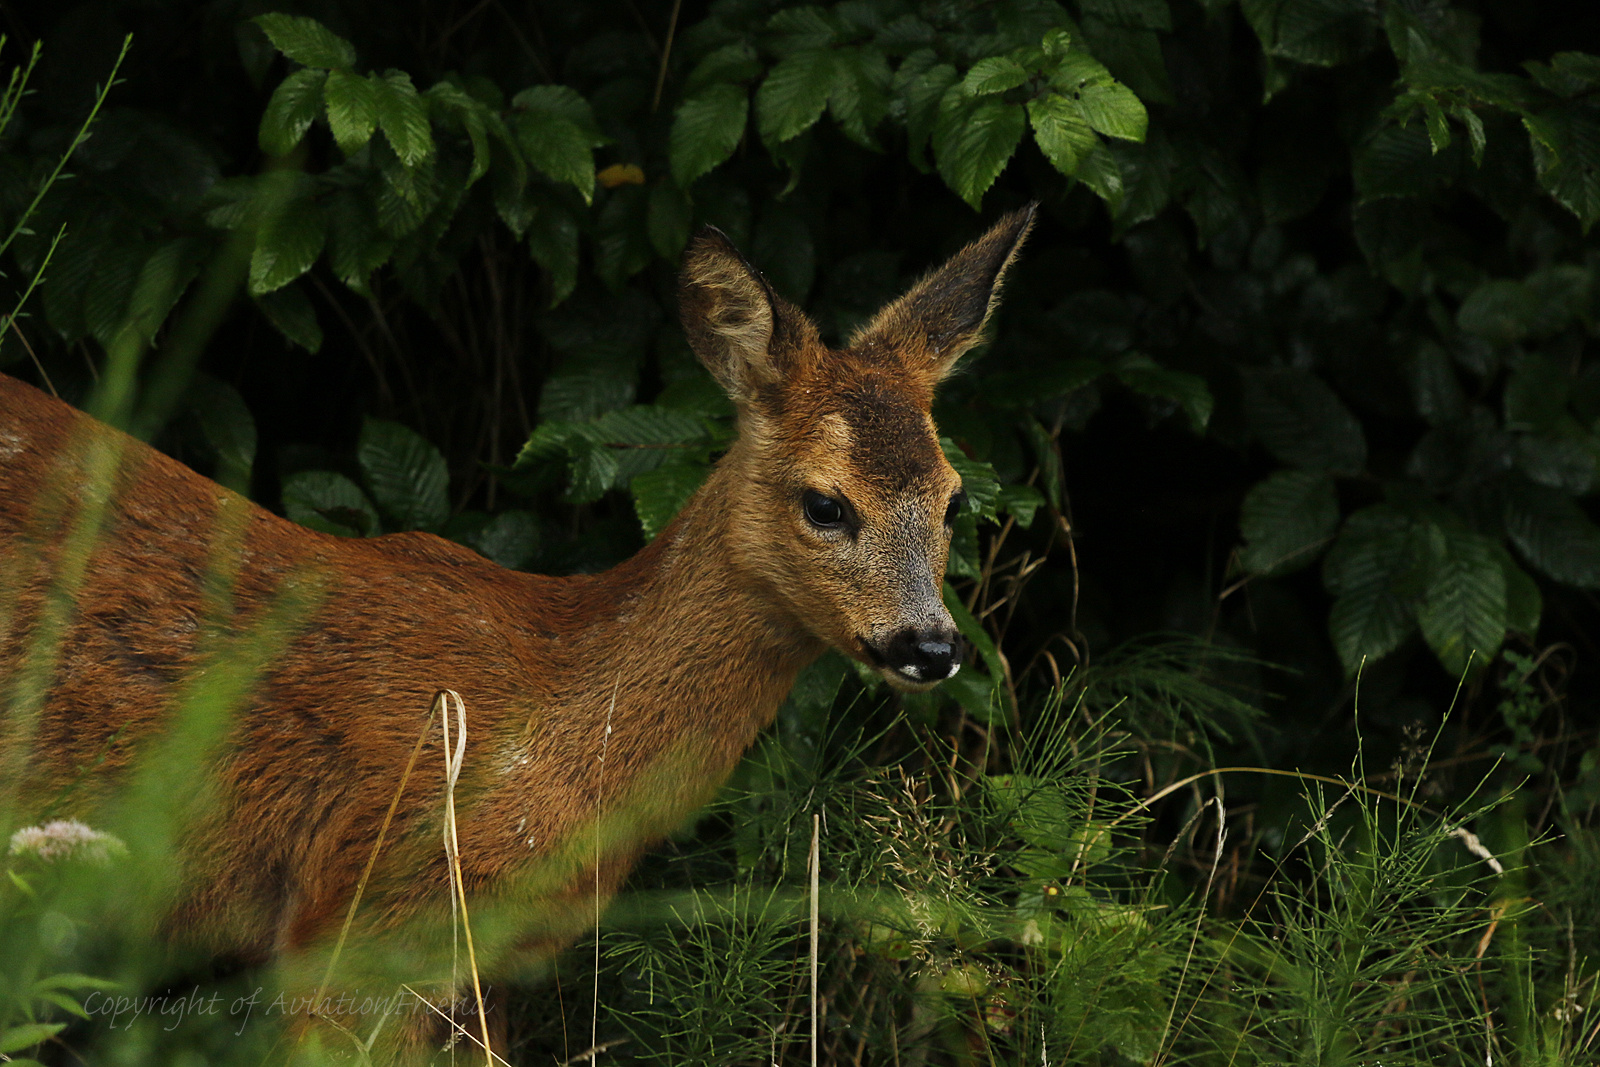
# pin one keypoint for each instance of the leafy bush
(1299, 363)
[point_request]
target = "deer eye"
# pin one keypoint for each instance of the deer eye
(821, 511)
(957, 502)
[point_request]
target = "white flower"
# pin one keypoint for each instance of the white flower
(66, 839)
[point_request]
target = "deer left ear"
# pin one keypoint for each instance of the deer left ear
(944, 314)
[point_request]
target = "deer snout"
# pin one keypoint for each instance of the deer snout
(923, 656)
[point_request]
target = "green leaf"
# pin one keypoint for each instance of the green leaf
(1566, 155)
(1320, 32)
(1377, 571)
(228, 428)
(403, 117)
(658, 495)
(406, 474)
(295, 105)
(1303, 422)
(1140, 14)
(792, 97)
(1021, 502)
(1189, 391)
(472, 117)
(556, 131)
(920, 95)
(27, 1035)
(1287, 520)
(553, 243)
(622, 238)
(1553, 533)
(307, 41)
(1524, 604)
(287, 244)
(859, 99)
(332, 503)
(580, 397)
(1464, 609)
(356, 246)
(352, 109)
(973, 141)
(1113, 110)
(707, 129)
(978, 480)
(510, 539)
(732, 63)
(290, 312)
(1061, 130)
(974, 632)
(995, 74)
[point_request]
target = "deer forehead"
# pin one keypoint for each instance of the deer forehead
(871, 440)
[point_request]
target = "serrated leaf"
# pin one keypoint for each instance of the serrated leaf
(473, 118)
(659, 495)
(287, 244)
(1189, 391)
(647, 425)
(1021, 502)
(356, 246)
(1377, 571)
(1303, 422)
(973, 141)
(978, 480)
(1320, 32)
(793, 95)
(403, 117)
(996, 74)
(1100, 171)
(27, 1035)
(553, 243)
(1061, 131)
(290, 312)
(406, 474)
(859, 99)
(352, 102)
(556, 132)
(295, 105)
(580, 397)
(1464, 609)
(332, 503)
(1553, 534)
(919, 95)
(307, 41)
(1114, 111)
(511, 539)
(1287, 520)
(706, 130)
(732, 63)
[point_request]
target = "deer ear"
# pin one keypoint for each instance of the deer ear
(943, 315)
(745, 334)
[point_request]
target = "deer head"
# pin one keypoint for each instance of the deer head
(849, 499)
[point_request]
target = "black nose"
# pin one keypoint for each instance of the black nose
(924, 655)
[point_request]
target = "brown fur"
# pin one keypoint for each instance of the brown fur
(685, 650)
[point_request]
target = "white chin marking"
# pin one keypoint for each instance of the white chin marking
(955, 668)
(912, 671)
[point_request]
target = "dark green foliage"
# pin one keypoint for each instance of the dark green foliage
(1299, 362)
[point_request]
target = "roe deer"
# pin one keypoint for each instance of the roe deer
(619, 700)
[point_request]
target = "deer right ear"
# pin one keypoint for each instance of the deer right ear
(742, 331)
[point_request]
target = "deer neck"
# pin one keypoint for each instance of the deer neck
(688, 657)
